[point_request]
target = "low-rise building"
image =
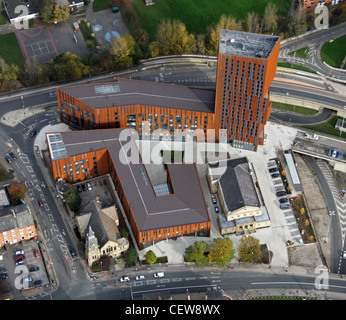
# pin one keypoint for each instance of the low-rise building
(241, 205)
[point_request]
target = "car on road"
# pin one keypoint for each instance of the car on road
(159, 275)
(140, 278)
(12, 156)
(89, 186)
(275, 175)
(273, 170)
(33, 133)
(8, 159)
(283, 200)
(124, 279)
(213, 199)
(38, 282)
(35, 268)
(3, 276)
(216, 208)
(79, 189)
(83, 187)
(40, 203)
(36, 253)
(73, 253)
(335, 152)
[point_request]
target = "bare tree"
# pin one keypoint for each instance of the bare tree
(269, 18)
(253, 23)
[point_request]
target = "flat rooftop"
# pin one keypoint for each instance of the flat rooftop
(251, 45)
(126, 92)
(186, 205)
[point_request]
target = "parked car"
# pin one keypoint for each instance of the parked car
(284, 206)
(36, 253)
(140, 278)
(40, 203)
(27, 279)
(35, 268)
(19, 252)
(89, 186)
(275, 175)
(3, 276)
(213, 199)
(283, 200)
(83, 187)
(339, 155)
(330, 151)
(216, 209)
(38, 282)
(159, 275)
(12, 156)
(3, 270)
(73, 253)
(19, 263)
(79, 189)
(33, 133)
(124, 279)
(344, 254)
(281, 193)
(19, 257)
(335, 152)
(273, 170)
(8, 159)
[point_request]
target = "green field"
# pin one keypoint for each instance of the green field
(2, 19)
(10, 50)
(333, 53)
(197, 15)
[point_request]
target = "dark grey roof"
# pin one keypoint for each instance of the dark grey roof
(22, 218)
(185, 205)
(135, 92)
(32, 5)
(237, 184)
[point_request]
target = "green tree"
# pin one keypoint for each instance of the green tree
(196, 253)
(150, 256)
(221, 251)
(46, 11)
(298, 23)
(61, 13)
(269, 18)
(124, 52)
(72, 199)
(249, 249)
(132, 255)
(8, 76)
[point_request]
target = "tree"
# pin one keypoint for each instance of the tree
(132, 255)
(221, 251)
(61, 13)
(46, 11)
(225, 22)
(253, 22)
(8, 76)
(16, 191)
(298, 24)
(124, 52)
(269, 18)
(249, 249)
(196, 253)
(72, 199)
(150, 256)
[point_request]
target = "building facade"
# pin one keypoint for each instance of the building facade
(308, 5)
(245, 69)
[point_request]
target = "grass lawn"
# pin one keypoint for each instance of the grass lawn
(294, 66)
(10, 50)
(100, 5)
(328, 127)
(301, 53)
(289, 107)
(197, 15)
(333, 53)
(2, 19)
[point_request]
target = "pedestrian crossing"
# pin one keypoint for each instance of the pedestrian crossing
(339, 202)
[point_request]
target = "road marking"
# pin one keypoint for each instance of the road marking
(50, 216)
(42, 197)
(176, 279)
(46, 207)
(55, 227)
(29, 168)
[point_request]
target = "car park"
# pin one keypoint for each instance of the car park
(12, 156)
(140, 278)
(216, 209)
(40, 203)
(335, 152)
(36, 253)
(33, 269)
(213, 199)
(8, 159)
(280, 193)
(89, 186)
(275, 175)
(159, 275)
(124, 279)
(273, 170)
(283, 200)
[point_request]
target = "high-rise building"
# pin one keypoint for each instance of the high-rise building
(245, 69)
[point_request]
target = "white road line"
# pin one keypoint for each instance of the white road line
(42, 197)
(50, 216)
(46, 207)
(29, 168)
(55, 227)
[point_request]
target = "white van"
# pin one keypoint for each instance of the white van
(159, 275)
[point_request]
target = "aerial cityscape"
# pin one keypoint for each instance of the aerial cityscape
(172, 150)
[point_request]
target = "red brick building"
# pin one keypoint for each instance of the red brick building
(308, 5)
(80, 155)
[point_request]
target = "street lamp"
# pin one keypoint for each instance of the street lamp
(22, 101)
(331, 213)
